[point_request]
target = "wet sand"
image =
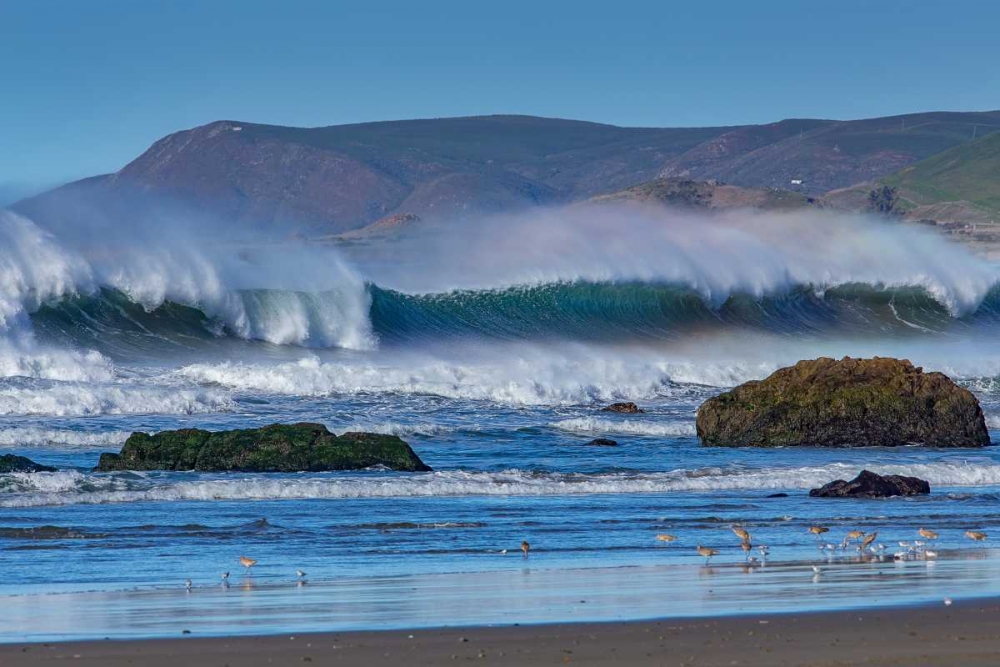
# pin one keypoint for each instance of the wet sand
(966, 634)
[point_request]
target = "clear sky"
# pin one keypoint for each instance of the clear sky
(86, 86)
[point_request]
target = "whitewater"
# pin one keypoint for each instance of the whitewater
(490, 348)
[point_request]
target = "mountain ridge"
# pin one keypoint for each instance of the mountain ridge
(333, 179)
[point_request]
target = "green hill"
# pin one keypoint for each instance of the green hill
(967, 174)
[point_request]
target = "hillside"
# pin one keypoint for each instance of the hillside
(707, 195)
(330, 180)
(967, 175)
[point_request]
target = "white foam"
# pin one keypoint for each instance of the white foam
(69, 488)
(33, 436)
(523, 377)
(625, 426)
(78, 399)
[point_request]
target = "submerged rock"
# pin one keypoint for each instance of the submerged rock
(624, 408)
(878, 402)
(275, 448)
(602, 442)
(13, 463)
(871, 485)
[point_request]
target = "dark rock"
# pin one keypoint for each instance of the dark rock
(876, 402)
(274, 448)
(13, 463)
(602, 442)
(870, 485)
(624, 408)
(778, 495)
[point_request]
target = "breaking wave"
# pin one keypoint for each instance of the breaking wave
(624, 426)
(71, 488)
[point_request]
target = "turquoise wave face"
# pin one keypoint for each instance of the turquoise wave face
(573, 311)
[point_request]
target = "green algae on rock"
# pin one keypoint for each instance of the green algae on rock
(12, 463)
(879, 402)
(276, 448)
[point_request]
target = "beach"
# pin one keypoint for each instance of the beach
(965, 633)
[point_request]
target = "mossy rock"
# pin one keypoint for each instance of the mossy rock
(275, 448)
(12, 463)
(879, 402)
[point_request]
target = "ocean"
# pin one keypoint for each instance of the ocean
(492, 353)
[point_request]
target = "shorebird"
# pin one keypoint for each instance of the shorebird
(930, 554)
(816, 570)
(927, 534)
(855, 535)
(225, 576)
(764, 551)
(187, 584)
(746, 546)
(741, 533)
(525, 547)
(665, 537)
(503, 552)
(867, 542)
(707, 552)
(300, 574)
(247, 563)
(818, 530)
(975, 535)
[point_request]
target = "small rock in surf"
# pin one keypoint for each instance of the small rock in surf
(12, 463)
(624, 408)
(871, 485)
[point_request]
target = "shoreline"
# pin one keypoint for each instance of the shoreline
(965, 633)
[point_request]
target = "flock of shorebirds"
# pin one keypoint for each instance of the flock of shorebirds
(864, 543)
(248, 564)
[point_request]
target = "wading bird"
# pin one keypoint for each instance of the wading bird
(855, 535)
(741, 533)
(665, 537)
(707, 552)
(975, 535)
(927, 534)
(525, 547)
(300, 574)
(247, 563)
(818, 530)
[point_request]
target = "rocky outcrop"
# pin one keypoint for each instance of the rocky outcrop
(870, 485)
(275, 448)
(878, 402)
(11, 463)
(624, 408)
(602, 442)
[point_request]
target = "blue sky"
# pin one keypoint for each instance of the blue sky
(86, 86)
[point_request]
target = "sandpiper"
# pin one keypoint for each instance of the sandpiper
(741, 533)
(225, 576)
(818, 530)
(975, 535)
(247, 562)
(927, 534)
(855, 535)
(525, 547)
(871, 537)
(300, 574)
(187, 584)
(666, 537)
(707, 552)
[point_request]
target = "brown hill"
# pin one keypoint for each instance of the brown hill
(328, 180)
